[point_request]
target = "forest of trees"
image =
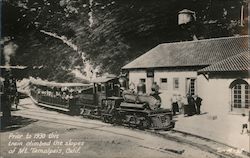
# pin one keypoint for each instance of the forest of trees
(108, 33)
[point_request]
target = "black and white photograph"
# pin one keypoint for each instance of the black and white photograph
(125, 79)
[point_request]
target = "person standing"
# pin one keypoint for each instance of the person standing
(191, 105)
(175, 107)
(185, 105)
(180, 104)
(198, 101)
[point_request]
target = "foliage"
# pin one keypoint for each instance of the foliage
(121, 30)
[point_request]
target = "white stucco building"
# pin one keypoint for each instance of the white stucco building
(215, 69)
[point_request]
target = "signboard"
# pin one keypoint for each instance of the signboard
(150, 73)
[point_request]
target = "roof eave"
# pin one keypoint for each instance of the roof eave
(166, 67)
(222, 71)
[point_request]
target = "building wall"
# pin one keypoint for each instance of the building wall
(135, 76)
(167, 93)
(216, 94)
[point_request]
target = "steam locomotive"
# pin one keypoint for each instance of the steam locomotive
(104, 99)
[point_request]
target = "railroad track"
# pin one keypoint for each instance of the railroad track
(75, 123)
(50, 118)
(203, 144)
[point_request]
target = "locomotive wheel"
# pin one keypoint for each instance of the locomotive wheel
(74, 111)
(104, 119)
(145, 124)
(113, 119)
(118, 121)
(77, 111)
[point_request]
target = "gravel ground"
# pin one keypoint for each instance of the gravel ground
(86, 138)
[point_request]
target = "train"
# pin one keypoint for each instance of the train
(105, 99)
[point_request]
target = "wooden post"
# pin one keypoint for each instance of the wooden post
(249, 116)
(242, 16)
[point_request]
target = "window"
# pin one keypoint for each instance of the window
(141, 87)
(142, 80)
(103, 88)
(237, 96)
(240, 92)
(191, 86)
(98, 87)
(176, 83)
(247, 96)
(111, 86)
(163, 83)
(164, 80)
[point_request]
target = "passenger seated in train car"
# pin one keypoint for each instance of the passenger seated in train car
(57, 94)
(74, 93)
(71, 93)
(66, 96)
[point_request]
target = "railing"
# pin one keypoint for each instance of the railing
(57, 101)
(50, 100)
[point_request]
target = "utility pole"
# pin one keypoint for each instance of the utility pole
(242, 16)
(6, 101)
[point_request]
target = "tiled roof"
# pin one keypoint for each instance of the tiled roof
(191, 53)
(239, 62)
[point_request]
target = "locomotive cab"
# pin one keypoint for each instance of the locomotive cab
(104, 88)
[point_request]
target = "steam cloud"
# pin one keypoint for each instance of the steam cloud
(9, 51)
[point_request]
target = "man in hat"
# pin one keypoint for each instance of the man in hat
(197, 101)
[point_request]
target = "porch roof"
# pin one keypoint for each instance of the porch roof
(239, 62)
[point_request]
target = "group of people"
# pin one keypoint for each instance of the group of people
(62, 94)
(188, 105)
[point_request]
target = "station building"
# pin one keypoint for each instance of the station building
(217, 70)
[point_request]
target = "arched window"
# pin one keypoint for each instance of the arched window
(240, 94)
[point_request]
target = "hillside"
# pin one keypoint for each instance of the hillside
(55, 37)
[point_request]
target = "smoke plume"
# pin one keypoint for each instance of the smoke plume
(9, 51)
